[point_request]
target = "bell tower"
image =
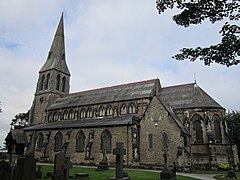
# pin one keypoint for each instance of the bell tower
(53, 79)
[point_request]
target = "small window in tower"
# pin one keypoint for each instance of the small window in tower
(42, 82)
(58, 82)
(47, 81)
(63, 84)
(150, 141)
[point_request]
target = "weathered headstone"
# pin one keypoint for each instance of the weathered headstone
(166, 173)
(231, 174)
(103, 164)
(58, 167)
(5, 171)
(25, 169)
(119, 152)
(66, 168)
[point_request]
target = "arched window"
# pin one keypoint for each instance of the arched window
(101, 111)
(109, 111)
(42, 82)
(82, 113)
(150, 141)
(58, 82)
(39, 142)
(132, 109)
(80, 141)
(50, 116)
(55, 116)
(123, 109)
(47, 81)
(58, 142)
(198, 128)
(71, 114)
(89, 113)
(63, 84)
(65, 115)
(217, 128)
(106, 141)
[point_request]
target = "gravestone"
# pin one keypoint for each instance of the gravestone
(66, 168)
(119, 152)
(62, 167)
(25, 169)
(166, 173)
(5, 171)
(58, 167)
(103, 164)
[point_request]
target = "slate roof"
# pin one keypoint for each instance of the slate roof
(187, 96)
(84, 123)
(137, 90)
(174, 116)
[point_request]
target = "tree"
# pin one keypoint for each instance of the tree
(20, 119)
(233, 124)
(227, 51)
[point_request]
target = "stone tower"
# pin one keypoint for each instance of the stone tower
(53, 79)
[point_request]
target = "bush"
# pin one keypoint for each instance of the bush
(223, 167)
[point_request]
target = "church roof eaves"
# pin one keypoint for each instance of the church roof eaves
(124, 120)
(123, 92)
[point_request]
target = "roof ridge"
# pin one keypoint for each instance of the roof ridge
(179, 85)
(114, 86)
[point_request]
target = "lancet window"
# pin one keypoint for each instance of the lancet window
(106, 141)
(58, 142)
(217, 128)
(80, 141)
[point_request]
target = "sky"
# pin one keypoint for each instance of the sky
(107, 43)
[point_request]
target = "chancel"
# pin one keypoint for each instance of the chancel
(85, 124)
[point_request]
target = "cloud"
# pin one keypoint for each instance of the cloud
(107, 43)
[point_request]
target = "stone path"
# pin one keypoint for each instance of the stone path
(199, 176)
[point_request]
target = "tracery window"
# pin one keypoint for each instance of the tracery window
(65, 115)
(39, 142)
(58, 82)
(106, 141)
(82, 113)
(89, 113)
(50, 116)
(150, 141)
(47, 81)
(101, 111)
(71, 114)
(109, 111)
(58, 142)
(55, 116)
(197, 128)
(217, 128)
(80, 141)
(132, 109)
(123, 109)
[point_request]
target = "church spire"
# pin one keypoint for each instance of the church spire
(56, 58)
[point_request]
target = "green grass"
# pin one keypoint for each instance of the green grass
(104, 175)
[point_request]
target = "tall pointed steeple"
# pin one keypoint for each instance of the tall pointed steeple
(54, 78)
(56, 57)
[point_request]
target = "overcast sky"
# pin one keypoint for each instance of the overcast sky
(108, 42)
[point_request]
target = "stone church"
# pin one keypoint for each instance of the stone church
(182, 122)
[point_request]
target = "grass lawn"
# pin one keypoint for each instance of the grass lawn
(104, 175)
